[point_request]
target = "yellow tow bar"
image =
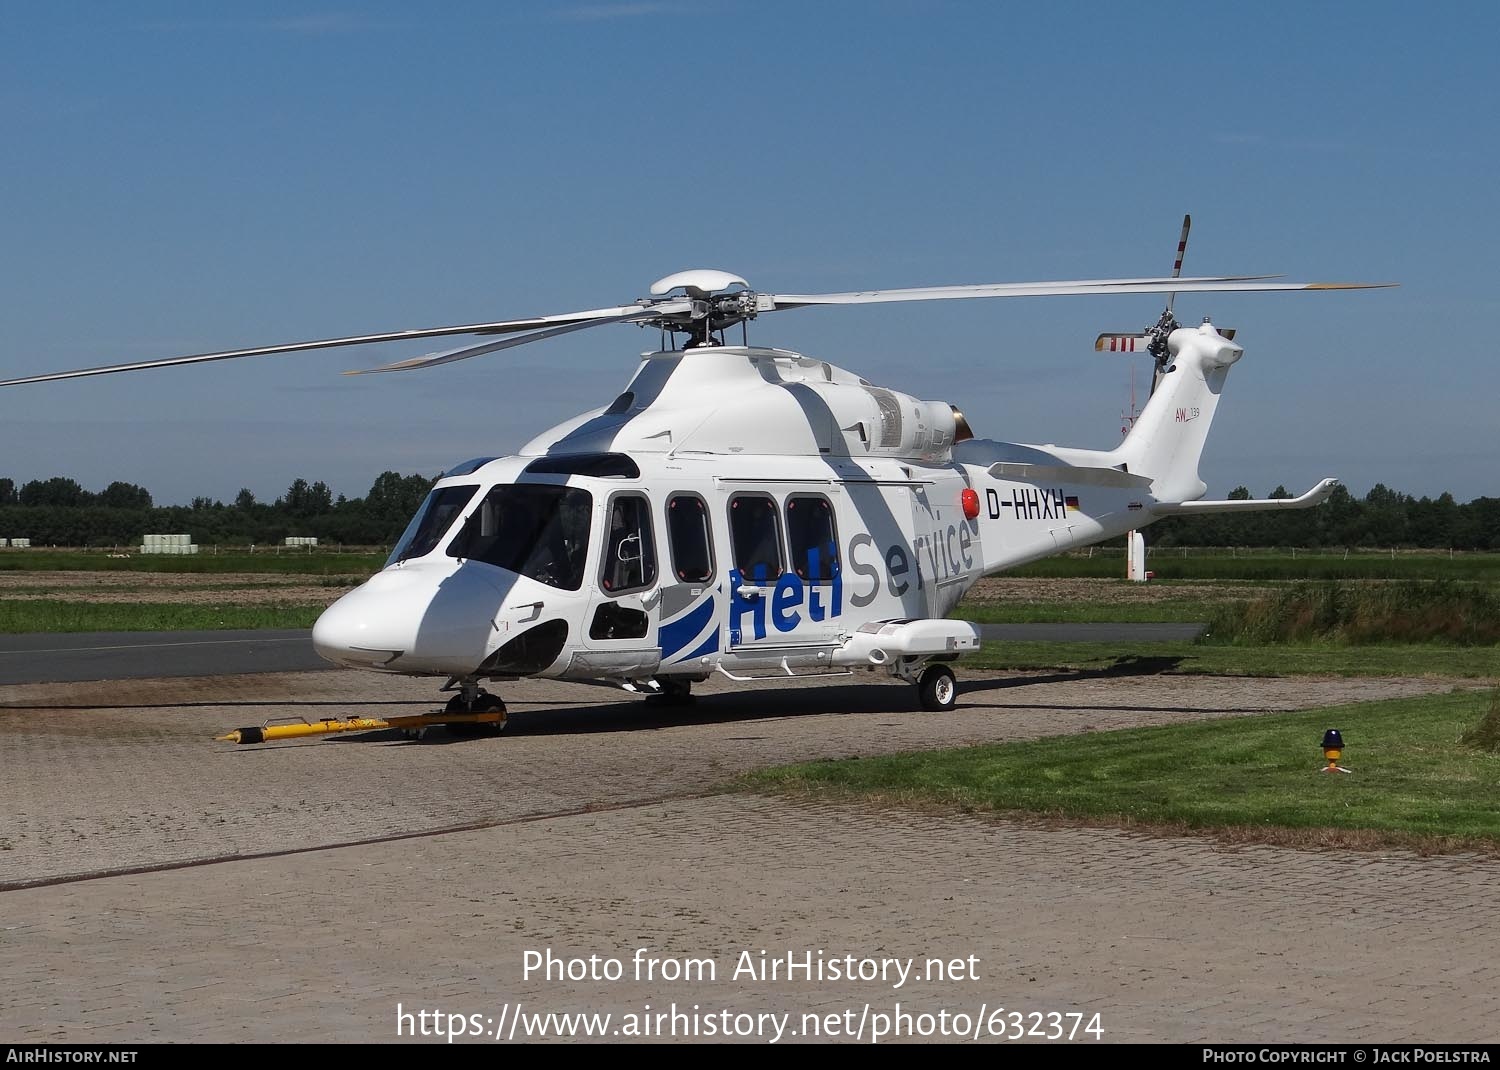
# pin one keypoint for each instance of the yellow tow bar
(328, 726)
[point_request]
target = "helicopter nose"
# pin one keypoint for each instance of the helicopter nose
(374, 624)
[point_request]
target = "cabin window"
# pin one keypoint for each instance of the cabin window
(629, 550)
(431, 523)
(812, 537)
(755, 534)
(536, 529)
(690, 539)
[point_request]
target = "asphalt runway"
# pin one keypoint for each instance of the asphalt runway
(83, 656)
(79, 656)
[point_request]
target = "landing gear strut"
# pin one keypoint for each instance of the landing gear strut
(675, 691)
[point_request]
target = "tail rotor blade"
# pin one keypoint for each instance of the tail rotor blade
(1187, 223)
(1117, 342)
(1137, 341)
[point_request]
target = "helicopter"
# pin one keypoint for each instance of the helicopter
(752, 511)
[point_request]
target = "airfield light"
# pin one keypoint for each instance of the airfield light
(970, 498)
(1333, 748)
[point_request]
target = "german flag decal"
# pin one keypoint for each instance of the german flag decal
(1072, 503)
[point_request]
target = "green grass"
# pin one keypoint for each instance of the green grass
(41, 587)
(1262, 565)
(1411, 779)
(1185, 611)
(1486, 734)
(43, 615)
(1391, 659)
(1440, 611)
(287, 561)
(1393, 628)
(1106, 563)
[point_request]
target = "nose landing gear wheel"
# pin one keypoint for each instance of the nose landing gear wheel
(936, 688)
(484, 702)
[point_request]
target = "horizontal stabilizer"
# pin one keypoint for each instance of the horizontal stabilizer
(1313, 497)
(1067, 473)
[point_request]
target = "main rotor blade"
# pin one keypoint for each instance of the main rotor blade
(1215, 284)
(598, 315)
(432, 360)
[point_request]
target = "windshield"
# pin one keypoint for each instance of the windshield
(538, 530)
(431, 522)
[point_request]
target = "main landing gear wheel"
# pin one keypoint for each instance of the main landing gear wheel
(484, 702)
(675, 691)
(937, 688)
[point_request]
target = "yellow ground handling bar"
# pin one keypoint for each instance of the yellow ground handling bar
(270, 732)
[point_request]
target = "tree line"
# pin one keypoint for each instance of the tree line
(59, 512)
(1382, 518)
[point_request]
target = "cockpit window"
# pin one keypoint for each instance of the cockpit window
(690, 538)
(630, 550)
(431, 522)
(536, 529)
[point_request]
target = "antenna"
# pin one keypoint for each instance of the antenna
(1128, 419)
(1135, 542)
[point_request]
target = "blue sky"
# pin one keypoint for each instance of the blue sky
(181, 177)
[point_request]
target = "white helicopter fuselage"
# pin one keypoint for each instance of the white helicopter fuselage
(747, 510)
(742, 510)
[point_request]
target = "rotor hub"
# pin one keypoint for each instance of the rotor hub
(1156, 338)
(714, 307)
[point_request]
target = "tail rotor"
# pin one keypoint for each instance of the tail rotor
(1153, 339)
(1167, 323)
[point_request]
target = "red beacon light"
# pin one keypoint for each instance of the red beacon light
(970, 500)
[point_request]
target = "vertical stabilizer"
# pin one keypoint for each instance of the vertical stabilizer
(1166, 442)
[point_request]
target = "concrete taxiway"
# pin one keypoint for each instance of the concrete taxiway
(163, 887)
